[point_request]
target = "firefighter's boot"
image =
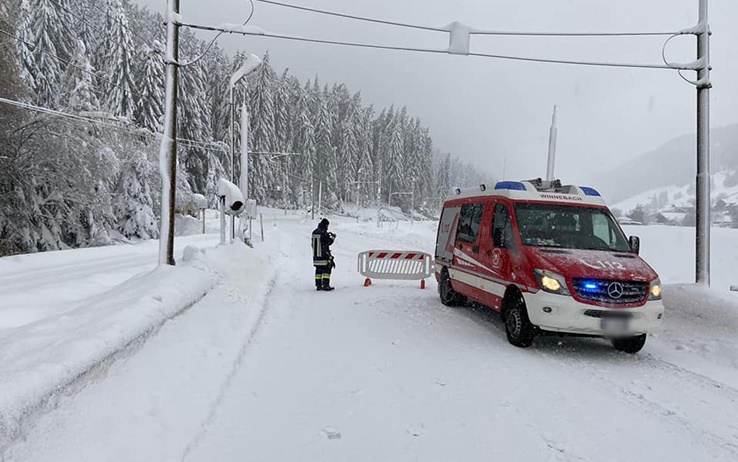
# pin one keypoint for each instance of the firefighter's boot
(327, 283)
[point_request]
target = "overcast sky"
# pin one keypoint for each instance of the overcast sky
(492, 112)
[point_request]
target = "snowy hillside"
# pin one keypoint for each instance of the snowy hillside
(674, 163)
(156, 365)
(676, 202)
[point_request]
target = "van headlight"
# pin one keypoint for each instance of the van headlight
(551, 282)
(655, 291)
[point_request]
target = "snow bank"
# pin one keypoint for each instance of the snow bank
(167, 391)
(42, 358)
(699, 331)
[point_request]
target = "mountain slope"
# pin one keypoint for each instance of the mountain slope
(673, 164)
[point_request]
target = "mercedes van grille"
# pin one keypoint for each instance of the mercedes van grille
(609, 291)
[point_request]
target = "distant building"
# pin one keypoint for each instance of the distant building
(628, 221)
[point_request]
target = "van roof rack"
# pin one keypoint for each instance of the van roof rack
(545, 185)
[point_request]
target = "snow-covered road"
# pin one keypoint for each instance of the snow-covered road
(265, 368)
(36, 286)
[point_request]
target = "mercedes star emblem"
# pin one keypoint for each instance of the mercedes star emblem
(615, 290)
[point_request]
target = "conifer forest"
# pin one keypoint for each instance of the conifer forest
(81, 115)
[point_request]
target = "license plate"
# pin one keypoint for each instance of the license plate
(614, 325)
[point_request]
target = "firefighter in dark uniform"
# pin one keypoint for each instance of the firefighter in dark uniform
(321, 241)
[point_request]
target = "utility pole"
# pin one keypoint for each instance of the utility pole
(551, 148)
(702, 230)
(168, 151)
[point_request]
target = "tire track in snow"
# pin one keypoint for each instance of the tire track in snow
(11, 432)
(661, 379)
(699, 408)
(238, 362)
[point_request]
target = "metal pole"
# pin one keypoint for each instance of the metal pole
(702, 231)
(312, 194)
(412, 204)
(168, 154)
(551, 148)
(221, 201)
(245, 156)
(320, 198)
(232, 134)
(232, 149)
(244, 151)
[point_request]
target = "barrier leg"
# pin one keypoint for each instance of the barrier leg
(367, 282)
(422, 283)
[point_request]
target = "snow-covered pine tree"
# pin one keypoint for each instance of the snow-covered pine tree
(116, 63)
(323, 147)
(282, 114)
(27, 35)
(150, 84)
(45, 39)
(194, 115)
(87, 25)
(348, 148)
(427, 162)
(395, 154)
(365, 168)
(219, 71)
(262, 135)
(77, 87)
(443, 177)
(134, 206)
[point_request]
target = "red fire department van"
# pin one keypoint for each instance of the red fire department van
(551, 259)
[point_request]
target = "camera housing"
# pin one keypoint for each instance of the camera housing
(232, 196)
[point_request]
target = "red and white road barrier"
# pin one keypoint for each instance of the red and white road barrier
(395, 264)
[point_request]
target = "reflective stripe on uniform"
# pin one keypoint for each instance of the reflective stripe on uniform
(317, 250)
(325, 276)
(320, 262)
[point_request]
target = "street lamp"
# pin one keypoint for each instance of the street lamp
(249, 65)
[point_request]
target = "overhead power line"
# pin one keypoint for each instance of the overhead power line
(262, 33)
(472, 31)
(102, 123)
(212, 42)
(349, 16)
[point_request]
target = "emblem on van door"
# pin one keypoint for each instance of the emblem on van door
(615, 290)
(496, 259)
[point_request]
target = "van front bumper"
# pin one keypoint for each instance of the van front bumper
(562, 313)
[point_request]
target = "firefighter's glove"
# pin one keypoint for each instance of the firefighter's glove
(332, 263)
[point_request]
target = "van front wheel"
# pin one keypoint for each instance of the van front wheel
(520, 331)
(449, 296)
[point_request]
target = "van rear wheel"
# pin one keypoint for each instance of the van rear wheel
(629, 344)
(520, 331)
(449, 296)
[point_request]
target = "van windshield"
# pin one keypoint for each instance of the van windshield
(572, 227)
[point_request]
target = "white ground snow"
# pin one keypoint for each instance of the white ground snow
(266, 368)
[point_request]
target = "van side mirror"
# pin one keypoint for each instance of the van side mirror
(635, 244)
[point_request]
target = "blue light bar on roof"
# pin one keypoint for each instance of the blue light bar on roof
(512, 185)
(589, 191)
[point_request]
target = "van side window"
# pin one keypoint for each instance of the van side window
(502, 233)
(601, 228)
(470, 219)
